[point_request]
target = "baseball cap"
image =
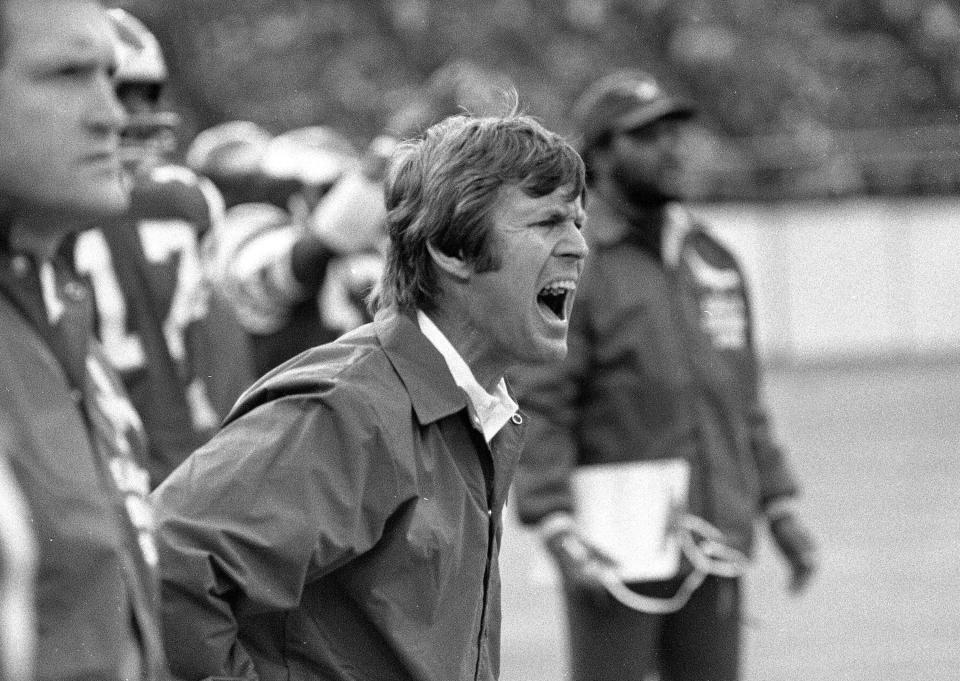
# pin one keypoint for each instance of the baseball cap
(625, 100)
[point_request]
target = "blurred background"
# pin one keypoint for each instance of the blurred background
(799, 98)
(828, 149)
(827, 155)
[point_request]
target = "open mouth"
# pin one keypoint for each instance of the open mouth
(554, 297)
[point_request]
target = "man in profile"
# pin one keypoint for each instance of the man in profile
(73, 440)
(346, 522)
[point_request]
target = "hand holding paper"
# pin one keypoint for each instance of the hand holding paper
(583, 566)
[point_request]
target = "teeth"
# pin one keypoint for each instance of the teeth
(559, 287)
(554, 296)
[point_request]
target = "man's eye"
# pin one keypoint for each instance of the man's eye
(73, 70)
(68, 72)
(640, 137)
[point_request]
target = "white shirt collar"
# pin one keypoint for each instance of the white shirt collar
(488, 412)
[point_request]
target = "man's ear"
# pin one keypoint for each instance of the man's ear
(454, 265)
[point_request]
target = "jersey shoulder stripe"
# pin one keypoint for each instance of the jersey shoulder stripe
(176, 193)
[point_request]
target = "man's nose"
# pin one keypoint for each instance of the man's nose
(105, 113)
(573, 244)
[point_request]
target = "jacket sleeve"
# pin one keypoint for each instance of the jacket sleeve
(775, 477)
(549, 396)
(281, 496)
(252, 257)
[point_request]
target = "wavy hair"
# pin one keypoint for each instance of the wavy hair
(442, 187)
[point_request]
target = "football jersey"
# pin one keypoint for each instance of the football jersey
(252, 257)
(152, 303)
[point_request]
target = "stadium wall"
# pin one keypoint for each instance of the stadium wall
(849, 280)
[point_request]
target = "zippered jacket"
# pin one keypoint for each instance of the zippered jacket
(344, 524)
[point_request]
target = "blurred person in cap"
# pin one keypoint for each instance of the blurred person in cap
(300, 245)
(183, 356)
(345, 523)
(73, 441)
(650, 456)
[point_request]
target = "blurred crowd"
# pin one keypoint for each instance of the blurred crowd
(806, 98)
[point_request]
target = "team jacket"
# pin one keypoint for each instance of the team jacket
(156, 319)
(344, 524)
(661, 364)
(75, 444)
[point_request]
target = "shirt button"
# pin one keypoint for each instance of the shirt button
(489, 512)
(20, 265)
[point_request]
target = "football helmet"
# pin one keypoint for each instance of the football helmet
(139, 80)
(316, 155)
(230, 154)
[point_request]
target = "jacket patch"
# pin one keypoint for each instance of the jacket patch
(723, 313)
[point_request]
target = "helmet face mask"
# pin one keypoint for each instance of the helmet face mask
(145, 143)
(139, 80)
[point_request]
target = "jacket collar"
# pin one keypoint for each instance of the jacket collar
(433, 392)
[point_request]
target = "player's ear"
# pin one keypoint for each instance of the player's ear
(454, 265)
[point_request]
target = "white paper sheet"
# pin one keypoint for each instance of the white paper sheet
(628, 510)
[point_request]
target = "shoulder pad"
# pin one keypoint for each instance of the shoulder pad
(171, 173)
(171, 192)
